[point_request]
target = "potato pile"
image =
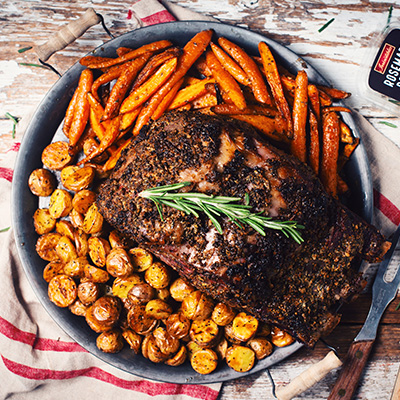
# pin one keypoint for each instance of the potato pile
(126, 295)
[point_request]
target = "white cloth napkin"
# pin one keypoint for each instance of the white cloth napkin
(39, 361)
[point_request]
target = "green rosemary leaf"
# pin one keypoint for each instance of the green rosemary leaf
(33, 65)
(5, 229)
(388, 124)
(15, 121)
(326, 25)
(24, 49)
(217, 206)
(389, 18)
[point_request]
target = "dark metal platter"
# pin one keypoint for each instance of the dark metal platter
(40, 133)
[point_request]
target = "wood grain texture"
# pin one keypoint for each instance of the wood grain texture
(338, 52)
(353, 366)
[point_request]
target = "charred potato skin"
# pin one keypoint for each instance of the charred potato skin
(261, 346)
(42, 182)
(223, 314)
(88, 292)
(62, 290)
(177, 325)
(104, 313)
(118, 263)
(110, 341)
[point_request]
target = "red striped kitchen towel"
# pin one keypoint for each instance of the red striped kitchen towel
(39, 361)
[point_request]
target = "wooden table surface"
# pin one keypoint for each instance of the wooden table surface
(337, 53)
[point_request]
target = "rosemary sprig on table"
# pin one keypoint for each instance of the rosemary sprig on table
(216, 206)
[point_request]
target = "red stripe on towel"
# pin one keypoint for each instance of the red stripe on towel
(6, 173)
(14, 333)
(147, 387)
(158, 18)
(386, 207)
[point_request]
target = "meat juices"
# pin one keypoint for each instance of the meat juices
(296, 287)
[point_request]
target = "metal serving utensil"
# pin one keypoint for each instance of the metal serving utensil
(383, 292)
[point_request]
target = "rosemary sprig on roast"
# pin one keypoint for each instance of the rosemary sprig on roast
(217, 206)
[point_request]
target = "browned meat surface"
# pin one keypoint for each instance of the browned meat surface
(293, 286)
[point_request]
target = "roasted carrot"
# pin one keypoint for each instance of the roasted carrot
(189, 93)
(274, 80)
(81, 114)
(110, 75)
(128, 119)
(335, 108)
(230, 65)
(123, 50)
(333, 93)
(145, 91)
(104, 62)
(191, 52)
(265, 125)
(108, 139)
(96, 113)
(225, 81)
(168, 98)
(345, 133)
(122, 86)
(250, 67)
(314, 148)
(155, 61)
(330, 152)
(110, 163)
(315, 104)
(69, 115)
(298, 144)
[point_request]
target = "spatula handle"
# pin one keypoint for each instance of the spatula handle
(352, 368)
(67, 34)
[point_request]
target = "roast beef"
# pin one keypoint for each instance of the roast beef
(294, 286)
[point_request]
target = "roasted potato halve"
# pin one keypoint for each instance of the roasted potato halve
(99, 249)
(205, 332)
(222, 314)
(81, 243)
(180, 289)
(280, 338)
(95, 274)
(52, 269)
(133, 339)
(261, 346)
(118, 263)
(65, 228)
(158, 275)
(122, 286)
(43, 221)
(110, 341)
(93, 222)
(141, 293)
(204, 361)
(82, 201)
(165, 342)
(60, 203)
(141, 258)
(244, 326)
(56, 156)
(197, 305)
(178, 325)
(62, 290)
(77, 308)
(158, 309)
(88, 292)
(139, 321)
(179, 358)
(79, 179)
(66, 250)
(46, 246)
(42, 182)
(240, 358)
(104, 313)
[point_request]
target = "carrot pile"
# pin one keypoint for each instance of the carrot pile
(215, 77)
